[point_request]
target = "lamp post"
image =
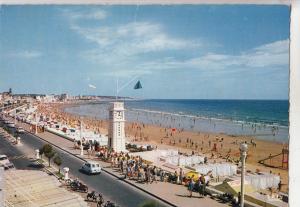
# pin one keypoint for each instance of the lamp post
(243, 150)
(81, 147)
(36, 123)
(15, 117)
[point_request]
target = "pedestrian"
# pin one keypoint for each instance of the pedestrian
(126, 171)
(162, 175)
(139, 174)
(203, 185)
(146, 174)
(191, 186)
(200, 189)
(154, 174)
(175, 176)
(180, 176)
(279, 186)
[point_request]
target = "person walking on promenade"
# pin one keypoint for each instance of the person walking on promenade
(139, 174)
(203, 185)
(180, 176)
(191, 186)
(175, 179)
(126, 171)
(200, 187)
(146, 174)
(162, 175)
(153, 173)
(121, 166)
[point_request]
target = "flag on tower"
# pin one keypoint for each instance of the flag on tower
(138, 85)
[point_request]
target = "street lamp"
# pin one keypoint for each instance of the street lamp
(81, 147)
(15, 116)
(36, 123)
(243, 150)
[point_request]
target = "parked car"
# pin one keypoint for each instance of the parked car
(20, 130)
(10, 124)
(91, 167)
(4, 162)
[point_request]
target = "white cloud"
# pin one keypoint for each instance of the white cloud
(92, 86)
(144, 47)
(133, 38)
(272, 54)
(281, 46)
(96, 14)
(121, 46)
(268, 55)
(28, 54)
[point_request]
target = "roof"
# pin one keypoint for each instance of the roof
(92, 162)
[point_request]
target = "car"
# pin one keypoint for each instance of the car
(91, 167)
(4, 162)
(20, 130)
(10, 124)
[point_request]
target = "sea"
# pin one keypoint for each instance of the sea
(262, 119)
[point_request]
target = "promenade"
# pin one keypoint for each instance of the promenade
(176, 195)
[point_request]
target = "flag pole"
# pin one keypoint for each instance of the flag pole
(125, 85)
(81, 147)
(117, 87)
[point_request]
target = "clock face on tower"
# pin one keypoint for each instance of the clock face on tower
(119, 115)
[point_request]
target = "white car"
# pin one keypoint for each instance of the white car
(91, 167)
(20, 130)
(4, 162)
(11, 124)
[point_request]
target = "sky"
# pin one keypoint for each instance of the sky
(176, 51)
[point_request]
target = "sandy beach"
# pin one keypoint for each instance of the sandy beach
(216, 146)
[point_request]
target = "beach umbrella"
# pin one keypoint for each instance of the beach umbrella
(193, 173)
(138, 85)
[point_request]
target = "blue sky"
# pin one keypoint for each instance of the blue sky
(179, 51)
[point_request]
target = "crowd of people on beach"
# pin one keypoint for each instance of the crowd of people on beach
(188, 122)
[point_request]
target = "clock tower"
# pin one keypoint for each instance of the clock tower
(116, 133)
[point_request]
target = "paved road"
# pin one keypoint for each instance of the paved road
(16, 156)
(112, 188)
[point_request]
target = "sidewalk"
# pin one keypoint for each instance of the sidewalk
(173, 194)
